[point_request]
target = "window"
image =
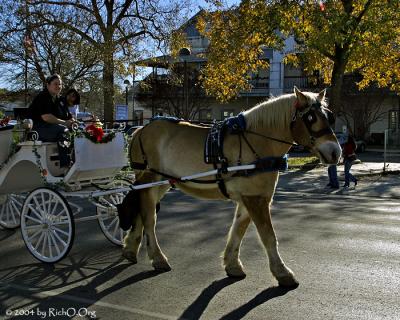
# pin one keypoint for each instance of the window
(205, 115)
(226, 114)
(260, 78)
(394, 119)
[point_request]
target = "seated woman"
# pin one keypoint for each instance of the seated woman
(51, 118)
(71, 101)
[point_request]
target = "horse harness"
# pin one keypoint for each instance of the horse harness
(214, 151)
(213, 146)
(309, 117)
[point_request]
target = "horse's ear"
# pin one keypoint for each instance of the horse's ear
(301, 98)
(321, 95)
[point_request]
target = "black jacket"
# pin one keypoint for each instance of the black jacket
(44, 103)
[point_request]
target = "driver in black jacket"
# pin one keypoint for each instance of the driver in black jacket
(51, 118)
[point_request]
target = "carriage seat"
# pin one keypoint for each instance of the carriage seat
(51, 155)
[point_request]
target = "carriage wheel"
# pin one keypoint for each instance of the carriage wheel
(108, 218)
(10, 210)
(47, 225)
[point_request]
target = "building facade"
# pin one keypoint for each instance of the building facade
(383, 112)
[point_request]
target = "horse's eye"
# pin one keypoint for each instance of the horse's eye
(310, 118)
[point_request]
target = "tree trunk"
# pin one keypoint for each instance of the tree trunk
(339, 67)
(108, 85)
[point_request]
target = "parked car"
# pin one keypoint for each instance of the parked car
(361, 145)
(84, 116)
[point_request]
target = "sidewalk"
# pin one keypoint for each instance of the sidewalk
(371, 180)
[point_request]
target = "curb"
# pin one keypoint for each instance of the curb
(363, 173)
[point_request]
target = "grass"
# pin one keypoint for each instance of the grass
(301, 161)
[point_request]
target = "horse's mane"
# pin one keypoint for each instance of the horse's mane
(276, 113)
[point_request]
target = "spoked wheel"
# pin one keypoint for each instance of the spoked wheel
(108, 217)
(10, 210)
(47, 225)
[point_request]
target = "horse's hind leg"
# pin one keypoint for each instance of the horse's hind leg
(259, 211)
(232, 263)
(148, 200)
(133, 240)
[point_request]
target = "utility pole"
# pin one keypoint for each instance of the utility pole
(153, 84)
(184, 53)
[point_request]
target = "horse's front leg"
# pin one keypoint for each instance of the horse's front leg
(232, 263)
(133, 240)
(259, 211)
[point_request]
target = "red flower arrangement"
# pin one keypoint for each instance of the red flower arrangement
(4, 122)
(97, 135)
(95, 132)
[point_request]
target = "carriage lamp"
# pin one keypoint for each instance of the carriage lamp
(183, 54)
(127, 84)
(27, 124)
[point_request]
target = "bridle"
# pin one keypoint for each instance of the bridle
(309, 116)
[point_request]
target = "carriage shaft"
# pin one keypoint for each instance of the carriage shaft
(165, 182)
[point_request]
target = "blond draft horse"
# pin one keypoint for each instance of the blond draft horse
(176, 149)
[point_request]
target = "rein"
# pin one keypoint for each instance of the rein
(271, 138)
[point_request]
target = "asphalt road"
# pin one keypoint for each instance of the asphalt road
(345, 251)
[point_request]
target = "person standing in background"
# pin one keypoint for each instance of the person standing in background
(349, 155)
(333, 178)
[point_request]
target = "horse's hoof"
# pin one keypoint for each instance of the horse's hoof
(161, 266)
(235, 273)
(288, 282)
(129, 256)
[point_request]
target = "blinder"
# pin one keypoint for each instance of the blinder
(309, 117)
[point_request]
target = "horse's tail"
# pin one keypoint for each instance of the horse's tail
(129, 210)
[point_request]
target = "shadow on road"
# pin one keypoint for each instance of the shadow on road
(32, 281)
(41, 276)
(6, 233)
(259, 299)
(83, 297)
(196, 309)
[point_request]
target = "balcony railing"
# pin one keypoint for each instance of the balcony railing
(300, 82)
(260, 87)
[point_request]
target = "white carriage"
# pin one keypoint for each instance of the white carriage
(34, 191)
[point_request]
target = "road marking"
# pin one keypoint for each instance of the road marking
(61, 296)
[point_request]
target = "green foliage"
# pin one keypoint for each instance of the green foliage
(301, 161)
(334, 37)
(237, 40)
